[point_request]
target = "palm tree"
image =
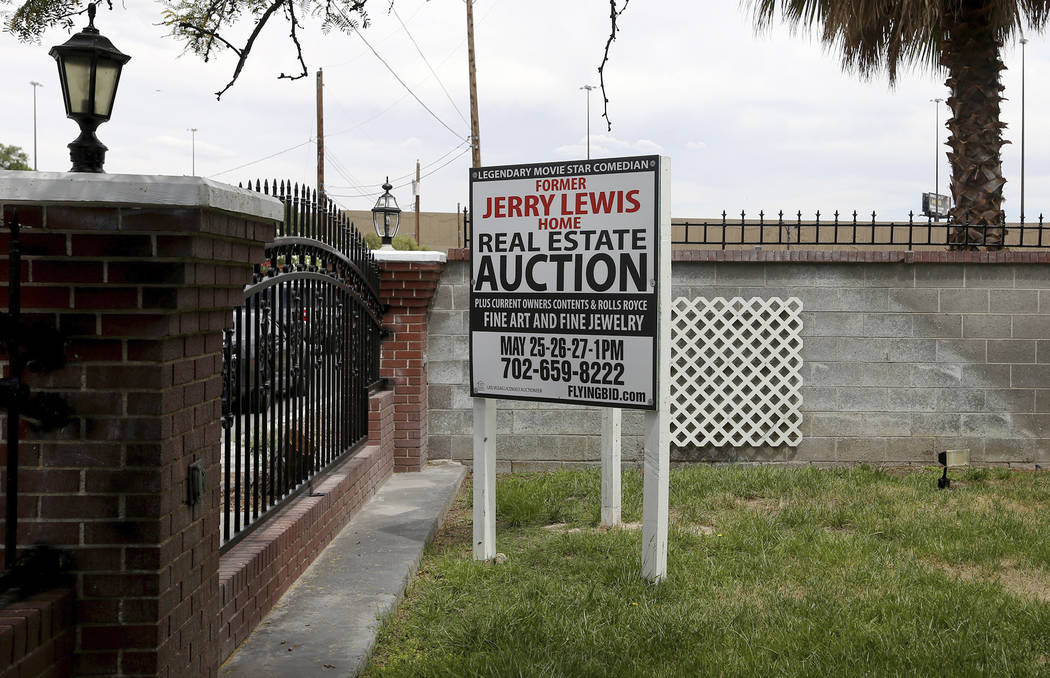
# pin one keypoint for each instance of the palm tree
(963, 36)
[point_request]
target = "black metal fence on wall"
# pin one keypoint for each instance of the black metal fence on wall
(836, 230)
(839, 229)
(299, 360)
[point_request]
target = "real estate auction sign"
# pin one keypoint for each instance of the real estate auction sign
(563, 303)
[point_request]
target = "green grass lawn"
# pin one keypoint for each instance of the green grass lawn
(771, 572)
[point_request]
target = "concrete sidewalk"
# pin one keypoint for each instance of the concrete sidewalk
(326, 623)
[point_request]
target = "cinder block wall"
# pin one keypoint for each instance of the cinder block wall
(904, 354)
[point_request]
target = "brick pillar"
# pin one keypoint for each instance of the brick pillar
(143, 290)
(408, 283)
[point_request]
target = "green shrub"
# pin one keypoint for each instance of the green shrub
(407, 243)
(401, 242)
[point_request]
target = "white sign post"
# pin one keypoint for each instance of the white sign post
(484, 479)
(570, 303)
(611, 491)
(657, 454)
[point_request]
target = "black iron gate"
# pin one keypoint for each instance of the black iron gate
(299, 360)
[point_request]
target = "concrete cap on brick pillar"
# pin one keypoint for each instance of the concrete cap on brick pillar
(133, 189)
(417, 257)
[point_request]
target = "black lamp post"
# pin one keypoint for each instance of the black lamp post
(386, 215)
(89, 67)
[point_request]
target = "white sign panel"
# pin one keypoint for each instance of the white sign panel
(563, 303)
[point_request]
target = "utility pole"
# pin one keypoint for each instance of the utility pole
(36, 84)
(475, 133)
(193, 150)
(320, 138)
(415, 189)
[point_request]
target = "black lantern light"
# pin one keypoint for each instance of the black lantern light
(386, 215)
(89, 68)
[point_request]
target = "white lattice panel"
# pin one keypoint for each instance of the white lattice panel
(736, 371)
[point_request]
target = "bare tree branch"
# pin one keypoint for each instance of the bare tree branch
(290, 8)
(613, 13)
(243, 53)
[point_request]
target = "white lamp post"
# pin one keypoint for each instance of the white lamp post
(193, 150)
(35, 84)
(588, 88)
(1024, 41)
(936, 154)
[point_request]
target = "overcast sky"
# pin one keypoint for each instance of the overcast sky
(750, 122)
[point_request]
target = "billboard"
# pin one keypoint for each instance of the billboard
(564, 275)
(935, 205)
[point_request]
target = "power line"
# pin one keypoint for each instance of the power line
(409, 183)
(388, 35)
(433, 162)
(363, 187)
(342, 171)
(452, 52)
(398, 78)
(436, 76)
(368, 120)
(443, 166)
(253, 162)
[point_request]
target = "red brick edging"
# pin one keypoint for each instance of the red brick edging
(257, 571)
(36, 636)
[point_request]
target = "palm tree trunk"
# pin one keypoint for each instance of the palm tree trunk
(970, 52)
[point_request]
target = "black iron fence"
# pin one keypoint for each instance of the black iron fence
(25, 347)
(851, 230)
(298, 361)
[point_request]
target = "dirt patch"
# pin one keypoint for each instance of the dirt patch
(987, 504)
(679, 521)
(762, 504)
(1019, 582)
(457, 530)
(903, 470)
(563, 528)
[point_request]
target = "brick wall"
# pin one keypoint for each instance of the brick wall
(259, 569)
(408, 287)
(36, 636)
(143, 292)
(905, 353)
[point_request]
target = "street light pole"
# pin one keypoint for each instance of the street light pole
(193, 150)
(35, 84)
(1024, 41)
(588, 88)
(936, 147)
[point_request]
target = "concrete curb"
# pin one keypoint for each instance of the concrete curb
(326, 623)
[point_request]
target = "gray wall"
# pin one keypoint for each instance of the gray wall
(900, 361)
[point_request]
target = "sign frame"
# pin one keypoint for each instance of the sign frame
(652, 224)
